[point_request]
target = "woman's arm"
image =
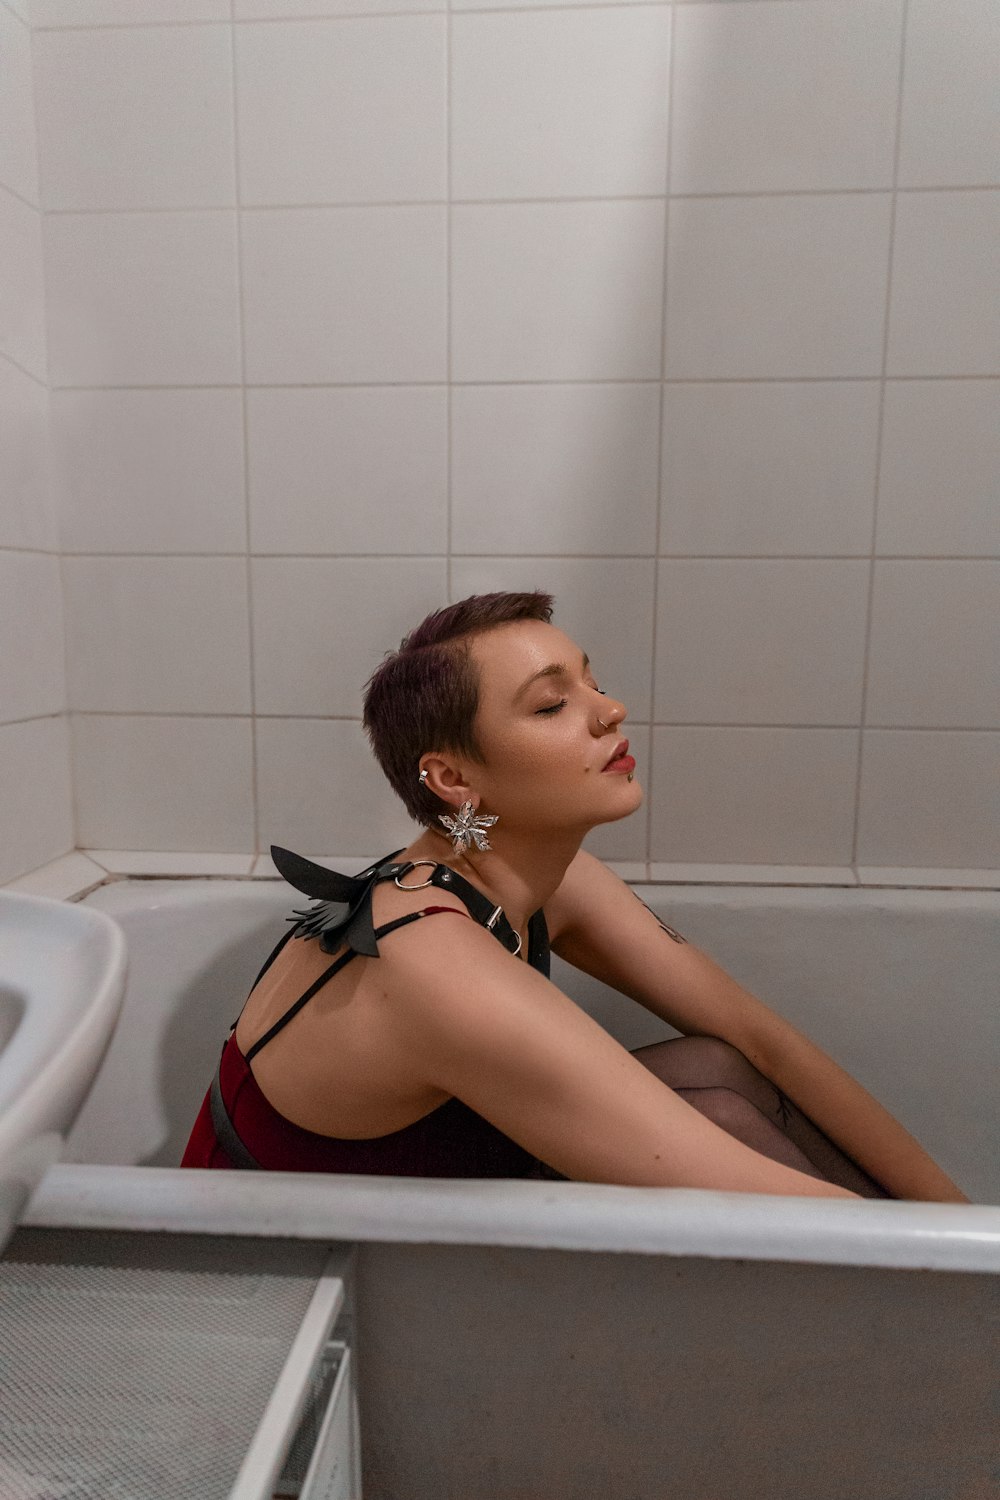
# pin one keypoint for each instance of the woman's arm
(600, 926)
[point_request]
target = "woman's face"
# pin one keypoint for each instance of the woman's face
(545, 749)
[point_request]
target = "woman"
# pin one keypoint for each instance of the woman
(444, 1050)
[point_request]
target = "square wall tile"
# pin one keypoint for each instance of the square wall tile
(157, 635)
(151, 782)
(940, 461)
(18, 151)
(769, 467)
(771, 97)
(753, 796)
(149, 471)
(760, 642)
(27, 514)
(32, 661)
(950, 126)
(335, 111)
(135, 117)
(122, 12)
(929, 798)
(934, 658)
(554, 468)
(626, 839)
(36, 812)
(603, 135)
(945, 313)
(142, 299)
(286, 10)
(320, 790)
(359, 469)
(776, 286)
(22, 286)
(345, 294)
(557, 291)
(321, 625)
(604, 604)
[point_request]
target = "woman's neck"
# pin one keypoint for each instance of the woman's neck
(517, 873)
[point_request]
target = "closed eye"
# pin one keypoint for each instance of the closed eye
(555, 707)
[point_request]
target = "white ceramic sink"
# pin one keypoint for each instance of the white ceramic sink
(62, 981)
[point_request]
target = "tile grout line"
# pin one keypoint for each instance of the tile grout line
(661, 396)
(873, 550)
(254, 777)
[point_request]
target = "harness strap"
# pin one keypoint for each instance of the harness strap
(225, 1131)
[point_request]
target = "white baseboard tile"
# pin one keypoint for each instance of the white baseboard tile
(690, 874)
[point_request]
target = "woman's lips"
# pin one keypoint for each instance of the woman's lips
(623, 763)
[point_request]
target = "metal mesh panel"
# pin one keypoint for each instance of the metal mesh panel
(136, 1383)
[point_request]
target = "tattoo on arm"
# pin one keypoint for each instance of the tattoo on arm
(669, 930)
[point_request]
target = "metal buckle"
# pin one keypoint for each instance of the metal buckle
(412, 865)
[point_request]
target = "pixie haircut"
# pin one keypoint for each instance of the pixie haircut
(425, 695)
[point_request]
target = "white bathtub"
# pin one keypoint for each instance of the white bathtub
(600, 1372)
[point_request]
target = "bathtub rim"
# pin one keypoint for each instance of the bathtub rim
(594, 1217)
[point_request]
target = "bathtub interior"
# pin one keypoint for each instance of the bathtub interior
(899, 987)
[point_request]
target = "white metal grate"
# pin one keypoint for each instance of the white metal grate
(136, 1383)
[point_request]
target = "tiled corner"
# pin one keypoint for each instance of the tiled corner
(32, 672)
(66, 878)
(27, 518)
(36, 803)
(149, 470)
(23, 291)
(18, 147)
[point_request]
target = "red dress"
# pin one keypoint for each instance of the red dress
(451, 1141)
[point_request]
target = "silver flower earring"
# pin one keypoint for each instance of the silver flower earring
(466, 828)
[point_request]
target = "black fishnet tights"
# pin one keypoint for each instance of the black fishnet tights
(716, 1079)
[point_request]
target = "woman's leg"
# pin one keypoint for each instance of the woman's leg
(717, 1080)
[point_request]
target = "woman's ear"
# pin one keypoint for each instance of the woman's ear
(445, 780)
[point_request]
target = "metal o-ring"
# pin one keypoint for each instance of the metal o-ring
(413, 866)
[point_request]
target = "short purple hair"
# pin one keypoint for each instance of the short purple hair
(425, 695)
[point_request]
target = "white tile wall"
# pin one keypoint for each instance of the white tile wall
(36, 812)
(142, 298)
(165, 141)
(770, 97)
(685, 312)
